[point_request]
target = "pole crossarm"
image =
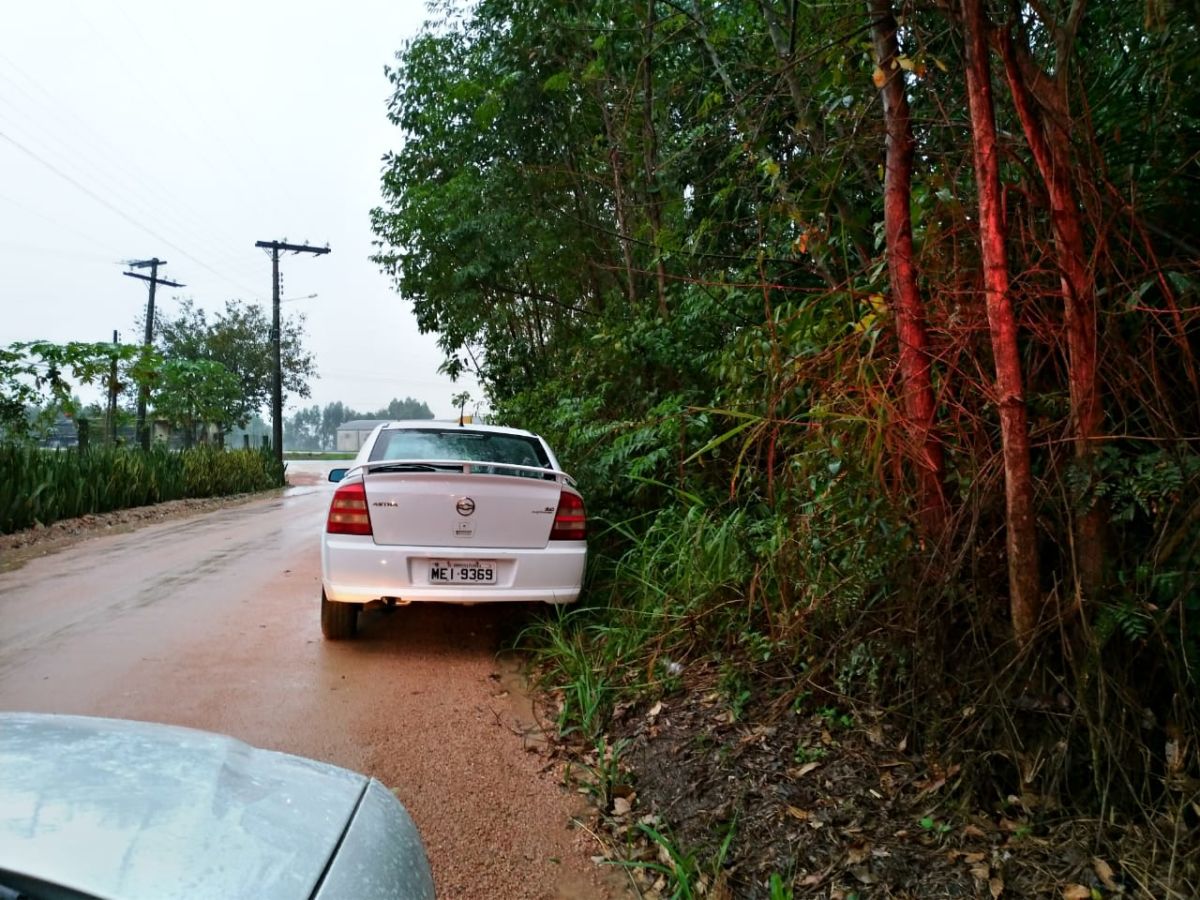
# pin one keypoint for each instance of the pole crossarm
(158, 280)
(292, 248)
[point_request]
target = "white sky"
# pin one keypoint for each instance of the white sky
(208, 126)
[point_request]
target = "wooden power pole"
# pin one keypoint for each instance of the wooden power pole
(276, 337)
(143, 392)
(112, 393)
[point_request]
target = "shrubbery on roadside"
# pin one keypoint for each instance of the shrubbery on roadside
(43, 486)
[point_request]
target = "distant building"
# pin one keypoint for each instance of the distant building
(350, 435)
(63, 433)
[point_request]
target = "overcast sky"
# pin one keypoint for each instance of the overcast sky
(133, 129)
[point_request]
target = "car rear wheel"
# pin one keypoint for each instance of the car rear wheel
(339, 621)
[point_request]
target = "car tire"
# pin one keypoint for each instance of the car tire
(339, 621)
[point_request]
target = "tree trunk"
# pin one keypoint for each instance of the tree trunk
(650, 156)
(1051, 153)
(922, 440)
(619, 202)
(1025, 598)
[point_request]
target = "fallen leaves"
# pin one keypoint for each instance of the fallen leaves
(803, 770)
(841, 826)
(1105, 873)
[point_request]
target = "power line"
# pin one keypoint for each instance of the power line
(385, 379)
(132, 221)
(57, 222)
(197, 109)
(55, 251)
(129, 185)
(130, 191)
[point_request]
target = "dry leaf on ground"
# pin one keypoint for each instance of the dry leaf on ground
(1105, 873)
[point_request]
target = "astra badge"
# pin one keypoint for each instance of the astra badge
(465, 506)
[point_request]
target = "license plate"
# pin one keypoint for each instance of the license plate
(462, 571)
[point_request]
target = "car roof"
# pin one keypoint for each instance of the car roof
(113, 808)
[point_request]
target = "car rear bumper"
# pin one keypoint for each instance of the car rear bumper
(354, 569)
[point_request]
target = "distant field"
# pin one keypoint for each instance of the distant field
(317, 454)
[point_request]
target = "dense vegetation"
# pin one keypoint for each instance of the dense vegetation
(40, 487)
(870, 330)
(197, 373)
(200, 373)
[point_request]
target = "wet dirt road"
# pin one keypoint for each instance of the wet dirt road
(212, 622)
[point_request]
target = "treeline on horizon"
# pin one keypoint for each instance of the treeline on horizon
(315, 427)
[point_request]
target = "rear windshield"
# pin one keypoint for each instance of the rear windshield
(458, 443)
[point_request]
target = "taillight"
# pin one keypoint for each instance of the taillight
(348, 514)
(570, 522)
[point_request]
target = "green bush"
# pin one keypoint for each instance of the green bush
(43, 486)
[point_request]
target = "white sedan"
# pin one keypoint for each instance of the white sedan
(450, 514)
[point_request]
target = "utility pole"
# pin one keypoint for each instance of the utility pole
(143, 392)
(276, 338)
(112, 394)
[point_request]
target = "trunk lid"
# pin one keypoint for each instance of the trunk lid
(457, 509)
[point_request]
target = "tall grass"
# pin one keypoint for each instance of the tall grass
(735, 585)
(43, 486)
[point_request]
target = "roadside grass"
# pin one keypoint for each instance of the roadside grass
(681, 585)
(821, 610)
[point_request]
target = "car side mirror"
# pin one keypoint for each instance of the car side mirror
(337, 474)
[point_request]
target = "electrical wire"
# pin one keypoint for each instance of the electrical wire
(112, 208)
(97, 146)
(213, 84)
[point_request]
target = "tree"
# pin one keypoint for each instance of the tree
(636, 222)
(190, 394)
(316, 428)
(1041, 101)
(408, 408)
(43, 375)
(302, 430)
(1023, 579)
(239, 339)
(333, 415)
(923, 439)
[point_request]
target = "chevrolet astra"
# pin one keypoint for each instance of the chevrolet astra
(431, 512)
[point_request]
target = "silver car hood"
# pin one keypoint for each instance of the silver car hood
(118, 809)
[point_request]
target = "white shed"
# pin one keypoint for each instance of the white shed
(350, 435)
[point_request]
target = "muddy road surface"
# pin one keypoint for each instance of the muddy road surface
(211, 621)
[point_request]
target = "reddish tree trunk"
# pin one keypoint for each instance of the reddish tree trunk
(1051, 153)
(1024, 595)
(923, 440)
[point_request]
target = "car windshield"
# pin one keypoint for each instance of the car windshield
(481, 446)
